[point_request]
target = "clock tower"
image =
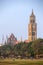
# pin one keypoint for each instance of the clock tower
(32, 28)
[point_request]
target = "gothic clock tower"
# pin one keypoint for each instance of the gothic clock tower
(32, 28)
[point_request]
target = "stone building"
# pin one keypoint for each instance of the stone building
(12, 40)
(32, 28)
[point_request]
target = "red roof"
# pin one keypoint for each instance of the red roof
(26, 41)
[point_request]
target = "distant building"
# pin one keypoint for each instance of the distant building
(32, 32)
(26, 41)
(32, 28)
(12, 40)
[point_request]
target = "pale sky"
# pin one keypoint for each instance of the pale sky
(14, 17)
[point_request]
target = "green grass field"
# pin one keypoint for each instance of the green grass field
(21, 62)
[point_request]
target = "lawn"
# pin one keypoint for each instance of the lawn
(21, 61)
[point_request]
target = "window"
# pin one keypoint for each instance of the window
(31, 21)
(33, 33)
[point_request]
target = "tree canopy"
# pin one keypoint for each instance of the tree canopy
(22, 49)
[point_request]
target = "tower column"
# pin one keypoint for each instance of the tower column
(32, 28)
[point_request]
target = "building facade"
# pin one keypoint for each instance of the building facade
(12, 40)
(32, 28)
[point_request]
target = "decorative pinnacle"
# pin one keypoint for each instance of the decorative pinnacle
(32, 12)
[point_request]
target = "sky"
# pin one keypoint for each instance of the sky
(14, 18)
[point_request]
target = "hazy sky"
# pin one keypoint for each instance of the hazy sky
(14, 17)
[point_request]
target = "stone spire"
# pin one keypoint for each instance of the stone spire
(32, 14)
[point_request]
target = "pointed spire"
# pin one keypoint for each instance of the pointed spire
(32, 12)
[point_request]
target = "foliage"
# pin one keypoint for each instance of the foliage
(22, 49)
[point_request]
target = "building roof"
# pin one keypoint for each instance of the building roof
(26, 41)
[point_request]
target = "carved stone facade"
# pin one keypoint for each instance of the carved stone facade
(32, 28)
(12, 40)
